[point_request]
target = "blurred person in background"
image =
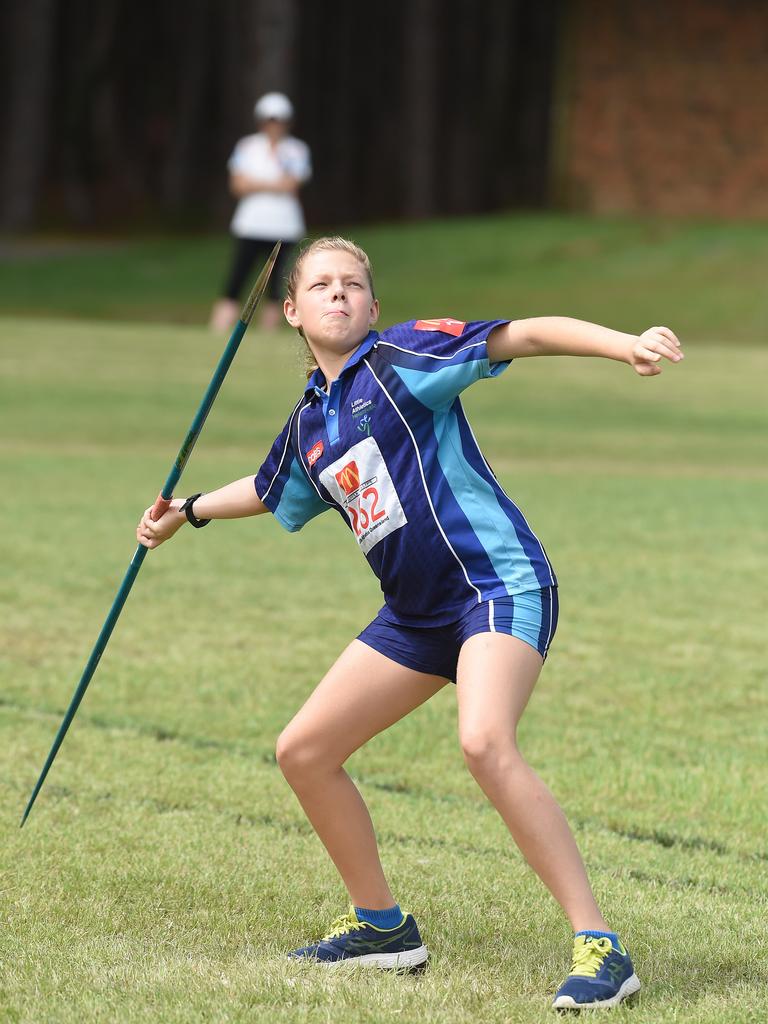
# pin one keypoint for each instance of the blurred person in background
(266, 171)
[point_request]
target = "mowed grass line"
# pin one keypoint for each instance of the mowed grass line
(705, 279)
(166, 866)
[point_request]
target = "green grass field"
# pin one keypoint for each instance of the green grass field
(167, 866)
(708, 278)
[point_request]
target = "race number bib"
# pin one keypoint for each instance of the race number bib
(361, 484)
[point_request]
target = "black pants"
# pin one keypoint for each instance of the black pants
(250, 251)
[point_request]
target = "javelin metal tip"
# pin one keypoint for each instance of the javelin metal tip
(28, 808)
(260, 287)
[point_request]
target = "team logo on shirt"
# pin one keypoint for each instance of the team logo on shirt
(360, 483)
(447, 325)
(315, 452)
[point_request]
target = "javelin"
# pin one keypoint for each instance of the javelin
(161, 505)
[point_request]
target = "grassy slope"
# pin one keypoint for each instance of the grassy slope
(706, 279)
(166, 865)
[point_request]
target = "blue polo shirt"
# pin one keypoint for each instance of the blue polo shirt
(388, 446)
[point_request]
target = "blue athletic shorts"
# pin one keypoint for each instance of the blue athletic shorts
(531, 617)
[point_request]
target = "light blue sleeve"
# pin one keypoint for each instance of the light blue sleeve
(439, 388)
(436, 366)
(288, 495)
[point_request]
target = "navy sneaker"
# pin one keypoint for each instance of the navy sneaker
(353, 941)
(601, 976)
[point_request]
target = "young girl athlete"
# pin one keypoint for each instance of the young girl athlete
(379, 434)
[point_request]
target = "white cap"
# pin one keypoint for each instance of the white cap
(273, 105)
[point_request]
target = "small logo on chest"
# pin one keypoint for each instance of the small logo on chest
(315, 452)
(348, 477)
(360, 410)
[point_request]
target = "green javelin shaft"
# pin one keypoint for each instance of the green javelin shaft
(161, 505)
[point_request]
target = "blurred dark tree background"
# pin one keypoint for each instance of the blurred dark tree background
(118, 112)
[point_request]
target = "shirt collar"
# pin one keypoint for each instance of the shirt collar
(317, 380)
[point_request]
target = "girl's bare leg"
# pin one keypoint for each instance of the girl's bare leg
(362, 694)
(496, 676)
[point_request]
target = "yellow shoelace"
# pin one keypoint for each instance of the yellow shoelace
(588, 955)
(343, 925)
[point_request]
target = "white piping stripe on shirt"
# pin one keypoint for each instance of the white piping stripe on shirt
(491, 620)
(430, 355)
(301, 459)
(424, 482)
(522, 516)
(282, 457)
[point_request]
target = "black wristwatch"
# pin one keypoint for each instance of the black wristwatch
(186, 508)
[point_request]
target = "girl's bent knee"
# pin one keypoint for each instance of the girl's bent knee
(298, 757)
(290, 754)
(486, 753)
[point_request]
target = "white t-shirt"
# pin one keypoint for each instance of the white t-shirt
(270, 215)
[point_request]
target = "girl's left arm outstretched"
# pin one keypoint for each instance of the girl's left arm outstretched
(563, 336)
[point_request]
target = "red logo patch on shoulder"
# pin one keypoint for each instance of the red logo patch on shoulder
(447, 325)
(315, 452)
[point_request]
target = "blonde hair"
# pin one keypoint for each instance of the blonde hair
(331, 243)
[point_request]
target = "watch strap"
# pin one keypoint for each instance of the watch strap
(186, 508)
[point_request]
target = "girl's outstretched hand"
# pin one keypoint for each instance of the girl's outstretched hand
(151, 533)
(651, 347)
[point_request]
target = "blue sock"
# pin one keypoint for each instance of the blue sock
(389, 918)
(599, 935)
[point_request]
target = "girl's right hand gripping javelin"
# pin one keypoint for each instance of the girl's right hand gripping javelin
(151, 533)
